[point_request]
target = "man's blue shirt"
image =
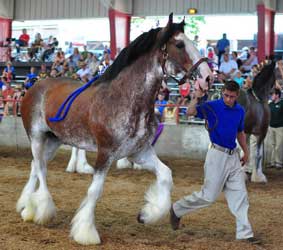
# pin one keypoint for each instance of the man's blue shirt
(222, 44)
(224, 122)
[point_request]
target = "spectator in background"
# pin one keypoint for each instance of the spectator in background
(244, 54)
(30, 79)
(9, 72)
(238, 78)
(227, 68)
(185, 89)
(3, 83)
(236, 59)
(70, 49)
(76, 56)
(170, 113)
(221, 45)
(276, 129)
(36, 47)
(84, 53)
(252, 60)
(23, 40)
(7, 94)
(84, 72)
(211, 58)
(160, 105)
(43, 73)
(279, 74)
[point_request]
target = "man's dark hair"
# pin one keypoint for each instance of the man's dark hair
(276, 92)
(231, 86)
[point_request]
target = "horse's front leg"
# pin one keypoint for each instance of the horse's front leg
(83, 224)
(158, 196)
(257, 174)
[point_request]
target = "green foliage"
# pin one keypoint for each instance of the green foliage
(192, 25)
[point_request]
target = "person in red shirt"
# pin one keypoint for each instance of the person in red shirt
(23, 40)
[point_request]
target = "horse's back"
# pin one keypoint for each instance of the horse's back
(47, 94)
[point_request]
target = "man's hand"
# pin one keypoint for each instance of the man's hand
(199, 93)
(244, 159)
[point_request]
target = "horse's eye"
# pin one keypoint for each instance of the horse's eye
(180, 45)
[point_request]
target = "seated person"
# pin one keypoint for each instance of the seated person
(227, 68)
(160, 105)
(9, 72)
(170, 113)
(84, 72)
(251, 61)
(51, 46)
(43, 73)
(23, 40)
(36, 46)
(30, 79)
(238, 78)
(7, 96)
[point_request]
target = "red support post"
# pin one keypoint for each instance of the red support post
(119, 30)
(265, 36)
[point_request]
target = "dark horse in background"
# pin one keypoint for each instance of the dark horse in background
(255, 102)
(115, 117)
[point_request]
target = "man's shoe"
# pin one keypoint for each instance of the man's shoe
(252, 240)
(174, 220)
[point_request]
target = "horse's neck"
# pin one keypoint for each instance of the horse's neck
(143, 77)
(261, 92)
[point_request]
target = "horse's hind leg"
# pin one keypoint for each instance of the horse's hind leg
(37, 205)
(83, 224)
(257, 174)
(78, 162)
(158, 199)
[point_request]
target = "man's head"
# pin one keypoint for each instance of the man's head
(161, 96)
(226, 57)
(224, 35)
(275, 94)
(230, 93)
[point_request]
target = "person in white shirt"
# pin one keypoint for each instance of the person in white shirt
(227, 68)
(84, 72)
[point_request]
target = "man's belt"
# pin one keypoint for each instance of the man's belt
(222, 149)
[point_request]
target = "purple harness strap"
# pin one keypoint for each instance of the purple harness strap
(157, 133)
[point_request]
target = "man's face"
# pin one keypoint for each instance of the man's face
(226, 58)
(229, 97)
(274, 97)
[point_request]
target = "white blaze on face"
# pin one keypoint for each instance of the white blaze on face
(195, 57)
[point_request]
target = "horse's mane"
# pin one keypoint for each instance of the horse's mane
(141, 45)
(264, 75)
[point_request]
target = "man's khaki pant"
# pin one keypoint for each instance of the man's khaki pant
(222, 172)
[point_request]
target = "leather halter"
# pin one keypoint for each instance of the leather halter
(191, 74)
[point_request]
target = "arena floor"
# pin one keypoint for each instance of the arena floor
(210, 228)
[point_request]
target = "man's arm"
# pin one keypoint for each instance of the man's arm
(241, 137)
(192, 111)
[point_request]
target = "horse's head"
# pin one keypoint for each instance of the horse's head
(264, 80)
(179, 55)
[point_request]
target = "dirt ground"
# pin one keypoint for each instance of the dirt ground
(209, 228)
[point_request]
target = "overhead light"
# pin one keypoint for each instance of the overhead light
(192, 11)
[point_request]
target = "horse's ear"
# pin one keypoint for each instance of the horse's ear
(170, 20)
(183, 21)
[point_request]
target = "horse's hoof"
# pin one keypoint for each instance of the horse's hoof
(140, 219)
